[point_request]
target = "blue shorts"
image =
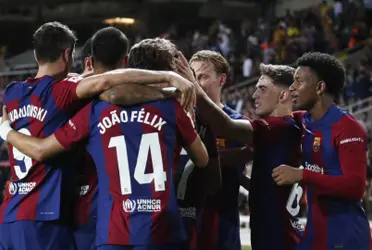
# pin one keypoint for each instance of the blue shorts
(170, 246)
(26, 235)
(85, 237)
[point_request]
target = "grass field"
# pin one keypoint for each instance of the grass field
(246, 248)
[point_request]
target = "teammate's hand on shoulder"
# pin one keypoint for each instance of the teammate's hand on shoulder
(5, 127)
(286, 175)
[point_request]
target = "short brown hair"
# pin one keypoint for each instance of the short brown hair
(281, 74)
(51, 39)
(219, 62)
(153, 54)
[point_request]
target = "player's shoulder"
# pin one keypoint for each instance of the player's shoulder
(348, 124)
(70, 79)
(232, 113)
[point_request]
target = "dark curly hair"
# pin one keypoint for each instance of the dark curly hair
(281, 74)
(153, 54)
(327, 68)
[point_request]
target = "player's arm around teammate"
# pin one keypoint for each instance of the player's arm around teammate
(220, 123)
(94, 85)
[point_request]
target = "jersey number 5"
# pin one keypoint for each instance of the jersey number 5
(149, 143)
(21, 171)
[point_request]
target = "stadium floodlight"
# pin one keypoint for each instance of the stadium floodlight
(119, 20)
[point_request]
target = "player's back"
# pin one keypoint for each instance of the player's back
(38, 107)
(221, 209)
(190, 183)
(333, 222)
(136, 150)
(277, 140)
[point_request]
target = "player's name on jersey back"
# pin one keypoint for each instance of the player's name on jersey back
(141, 116)
(28, 111)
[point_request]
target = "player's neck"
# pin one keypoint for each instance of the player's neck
(217, 100)
(51, 69)
(281, 111)
(321, 107)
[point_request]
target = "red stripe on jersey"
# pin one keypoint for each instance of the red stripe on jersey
(160, 228)
(210, 222)
(87, 178)
(37, 172)
(319, 210)
(112, 169)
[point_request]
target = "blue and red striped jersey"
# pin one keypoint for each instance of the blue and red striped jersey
(219, 226)
(40, 191)
(135, 150)
(273, 209)
(87, 183)
(190, 180)
(335, 163)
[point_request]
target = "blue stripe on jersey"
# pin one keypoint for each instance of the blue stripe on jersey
(169, 112)
(95, 149)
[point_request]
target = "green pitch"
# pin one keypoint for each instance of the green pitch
(246, 248)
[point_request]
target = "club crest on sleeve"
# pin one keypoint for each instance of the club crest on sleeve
(221, 144)
(316, 144)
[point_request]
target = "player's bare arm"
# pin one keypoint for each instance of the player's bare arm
(198, 153)
(130, 94)
(36, 148)
(235, 157)
(94, 85)
(220, 123)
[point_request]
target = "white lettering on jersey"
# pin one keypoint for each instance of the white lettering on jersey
(314, 167)
(141, 117)
(28, 111)
(354, 139)
(142, 205)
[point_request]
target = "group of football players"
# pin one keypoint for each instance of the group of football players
(139, 153)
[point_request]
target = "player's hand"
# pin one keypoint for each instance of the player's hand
(5, 115)
(286, 175)
(187, 88)
(183, 68)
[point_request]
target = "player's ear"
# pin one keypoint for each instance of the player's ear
(223, 78)
(66, 55)
(320, 87)
(284, 95)
(88, 63)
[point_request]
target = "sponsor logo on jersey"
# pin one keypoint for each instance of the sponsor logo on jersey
(84, 190)
(188, 212)
(142, 205)
(314, 167)
(316, 144)
(348, 140)
(21, 187)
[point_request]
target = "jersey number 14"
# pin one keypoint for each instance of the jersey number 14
(150, 143)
